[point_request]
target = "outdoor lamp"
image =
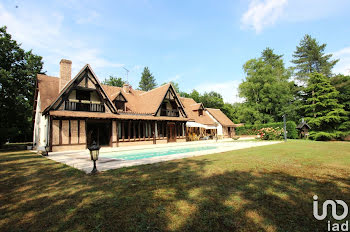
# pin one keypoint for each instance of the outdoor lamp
(94, 152)
(47, 149)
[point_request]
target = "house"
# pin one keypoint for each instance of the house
(225, 127)
(303, 129)
(72, 113)
(200, 123)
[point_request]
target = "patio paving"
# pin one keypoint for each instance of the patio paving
(81, 159)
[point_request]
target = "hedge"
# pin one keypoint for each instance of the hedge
(292, 132)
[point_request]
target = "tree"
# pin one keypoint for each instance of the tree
(114, 81)
(342, 85)
(147, 81)
(18, 70)
(267, 89)
(176, 86)
(309, 57)
(322, 109)
(212, 100)
(195, 95)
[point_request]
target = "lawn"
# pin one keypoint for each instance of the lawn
(266, 188)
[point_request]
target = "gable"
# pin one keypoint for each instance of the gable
(171, 100)
(192, 110)
(220, 117)
(84, 81)
(120, 97)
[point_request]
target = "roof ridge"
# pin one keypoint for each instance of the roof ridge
(153, 89)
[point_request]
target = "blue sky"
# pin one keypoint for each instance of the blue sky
(198, 44)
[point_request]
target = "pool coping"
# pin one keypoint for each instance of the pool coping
(81, 159)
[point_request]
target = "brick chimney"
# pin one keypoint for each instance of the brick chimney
(65, 72)
(126, 88)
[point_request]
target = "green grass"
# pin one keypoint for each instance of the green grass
(266, 188)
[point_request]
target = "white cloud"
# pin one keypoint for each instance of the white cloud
(343, 66)
(174, 78)
(262, 14)
(228, 90)
(265, 13)
(88, 18)
(46, 34)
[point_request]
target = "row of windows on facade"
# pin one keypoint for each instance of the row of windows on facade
(146, 129)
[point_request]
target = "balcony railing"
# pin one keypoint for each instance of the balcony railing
(169, 113)
(79, 106)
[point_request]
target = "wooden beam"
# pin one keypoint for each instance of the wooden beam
(69, 132)
(139, 130)
(50, 140)
(129, 130)
(144, 130)
(123, 130)
(154, 132)
(111, 134)
(134, 129)
(149, 132)
(86, 134)
(60, 133)
(78, 131)
(117, 129)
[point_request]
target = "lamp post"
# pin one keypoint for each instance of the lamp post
(47, 149)
(94, 152)
(284, 128)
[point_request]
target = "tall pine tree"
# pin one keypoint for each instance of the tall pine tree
(147, 81)
(322, 109)
(309, 57)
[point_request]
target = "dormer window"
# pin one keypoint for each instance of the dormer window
(200, 112)
(120, 105)
(119, 102)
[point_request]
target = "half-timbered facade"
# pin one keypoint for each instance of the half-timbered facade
(72, 113)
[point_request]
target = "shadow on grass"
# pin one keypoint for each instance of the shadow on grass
(188, 195)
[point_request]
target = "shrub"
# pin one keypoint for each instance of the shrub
(321, 136)
(270, 133)
(326, 135)
(292, 132)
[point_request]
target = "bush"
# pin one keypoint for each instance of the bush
(321, 136)
(327, 136)
(292, 132)
(291, 128)
(270, 133)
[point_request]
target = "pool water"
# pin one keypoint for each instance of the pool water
(149, 153)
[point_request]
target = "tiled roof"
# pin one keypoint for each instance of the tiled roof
(81, 114)
(48, 87)
(302, 124)
(191, 108)
(139, 105)
(220, 117)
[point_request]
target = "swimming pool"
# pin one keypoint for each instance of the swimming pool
(149, 153)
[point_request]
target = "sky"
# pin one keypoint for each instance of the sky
(200, 44)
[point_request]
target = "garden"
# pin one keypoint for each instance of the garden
(267, 188)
